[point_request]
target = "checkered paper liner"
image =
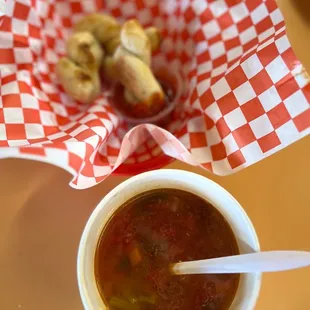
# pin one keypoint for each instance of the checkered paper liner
(245, 96)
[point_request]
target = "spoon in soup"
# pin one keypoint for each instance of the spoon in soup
(272, 261)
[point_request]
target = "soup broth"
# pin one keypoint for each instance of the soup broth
(149, 233)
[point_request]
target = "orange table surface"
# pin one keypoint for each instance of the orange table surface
(42, 219)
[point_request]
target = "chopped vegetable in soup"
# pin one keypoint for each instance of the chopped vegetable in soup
(147, 235)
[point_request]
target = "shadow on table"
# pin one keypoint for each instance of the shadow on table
(45, 234)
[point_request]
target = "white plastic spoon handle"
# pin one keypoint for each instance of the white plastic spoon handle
(246, 263)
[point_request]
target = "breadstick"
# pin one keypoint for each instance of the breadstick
(154, 36)
(111, 45)
(79, 83)
(129, 97)
(134, 39)
(102, 26)
(138, 78)
(84, 49)
(109, 70)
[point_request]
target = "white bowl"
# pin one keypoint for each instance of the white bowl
(241, 225)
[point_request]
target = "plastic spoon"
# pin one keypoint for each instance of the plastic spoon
(246, 263)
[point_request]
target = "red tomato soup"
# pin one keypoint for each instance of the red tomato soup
(147, 235)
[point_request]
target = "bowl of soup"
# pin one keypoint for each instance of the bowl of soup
(153, 220)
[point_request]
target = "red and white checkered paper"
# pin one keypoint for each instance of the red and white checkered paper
(246, 95)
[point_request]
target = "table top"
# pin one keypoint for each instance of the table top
(42, 219)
